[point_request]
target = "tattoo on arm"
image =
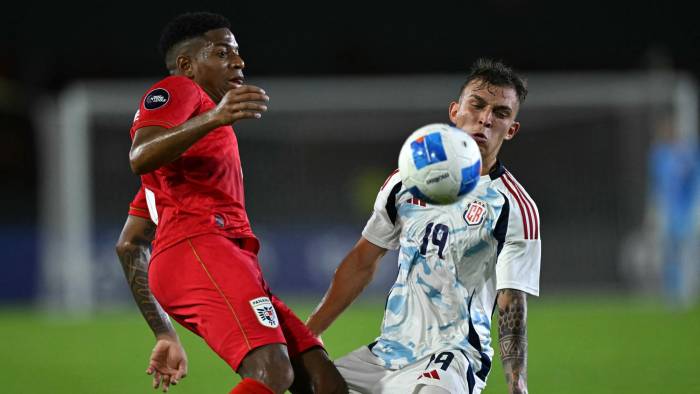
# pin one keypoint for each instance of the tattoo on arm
(134, 258)
(512, 332)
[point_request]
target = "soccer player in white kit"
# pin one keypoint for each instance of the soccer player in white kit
(456, 263)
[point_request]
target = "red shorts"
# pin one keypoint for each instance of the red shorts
(213, 286)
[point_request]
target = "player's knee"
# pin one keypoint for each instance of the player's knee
(269, 365)
(284, 374)
(277, 376)
(331, 384)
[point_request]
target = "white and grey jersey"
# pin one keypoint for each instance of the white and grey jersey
(452, 260)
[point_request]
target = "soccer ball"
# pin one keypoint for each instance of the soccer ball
(439, 164)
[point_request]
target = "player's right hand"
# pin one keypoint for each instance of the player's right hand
(242, 102)
(168, 363)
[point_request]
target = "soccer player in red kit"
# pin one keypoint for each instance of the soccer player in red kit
(203, 270)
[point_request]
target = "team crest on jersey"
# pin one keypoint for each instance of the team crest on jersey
(156, 98)
(475, 213)
(265, 312)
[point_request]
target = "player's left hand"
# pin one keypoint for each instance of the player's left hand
(168, 363)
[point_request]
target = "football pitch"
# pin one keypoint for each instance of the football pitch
(576, 345)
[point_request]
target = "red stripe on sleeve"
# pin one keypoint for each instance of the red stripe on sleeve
(529, 203)
(536, 215)
(526, 230)
(530, 220)
(387, 178)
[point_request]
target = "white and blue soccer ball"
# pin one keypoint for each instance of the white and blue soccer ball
(439, 164)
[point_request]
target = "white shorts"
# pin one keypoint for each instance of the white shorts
(448, 369)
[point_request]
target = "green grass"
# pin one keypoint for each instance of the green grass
(576, 345)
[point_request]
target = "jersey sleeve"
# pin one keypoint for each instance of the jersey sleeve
(138, 206)
(168, 103)
(382, 228)
(518, 265)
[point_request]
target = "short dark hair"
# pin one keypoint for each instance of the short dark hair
(498, 74)
(189, 25)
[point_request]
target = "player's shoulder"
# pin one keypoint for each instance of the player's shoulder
(388, 192)
(522, 206)
(391, 182)
(504, 180)
(172, 84)
(175, 81)
(173, 88)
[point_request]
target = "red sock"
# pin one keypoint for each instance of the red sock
(251, 386)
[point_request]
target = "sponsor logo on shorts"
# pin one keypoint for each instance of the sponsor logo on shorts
(430, 375)
(156, 98)
(265, 312)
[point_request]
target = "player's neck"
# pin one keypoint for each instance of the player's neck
(487, 165)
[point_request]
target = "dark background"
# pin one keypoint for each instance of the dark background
(45, 48)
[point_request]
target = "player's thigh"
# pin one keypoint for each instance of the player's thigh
(314, 372)
(208, 262)
(216, 289)
(423, 389)
(298, 336)
(362, 370)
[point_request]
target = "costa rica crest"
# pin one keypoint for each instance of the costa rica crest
(265, 312)
(475, 213)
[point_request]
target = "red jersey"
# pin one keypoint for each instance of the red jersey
(201, 191)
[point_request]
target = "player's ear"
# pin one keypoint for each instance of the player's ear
(512, 130)
(454, 108)
(184, 66)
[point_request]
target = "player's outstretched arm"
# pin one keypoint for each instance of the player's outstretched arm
(155, 146)
(168, 363)
(512, 333)
(352, 276)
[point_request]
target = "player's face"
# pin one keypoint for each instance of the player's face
(217, 65)
(487, 113)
